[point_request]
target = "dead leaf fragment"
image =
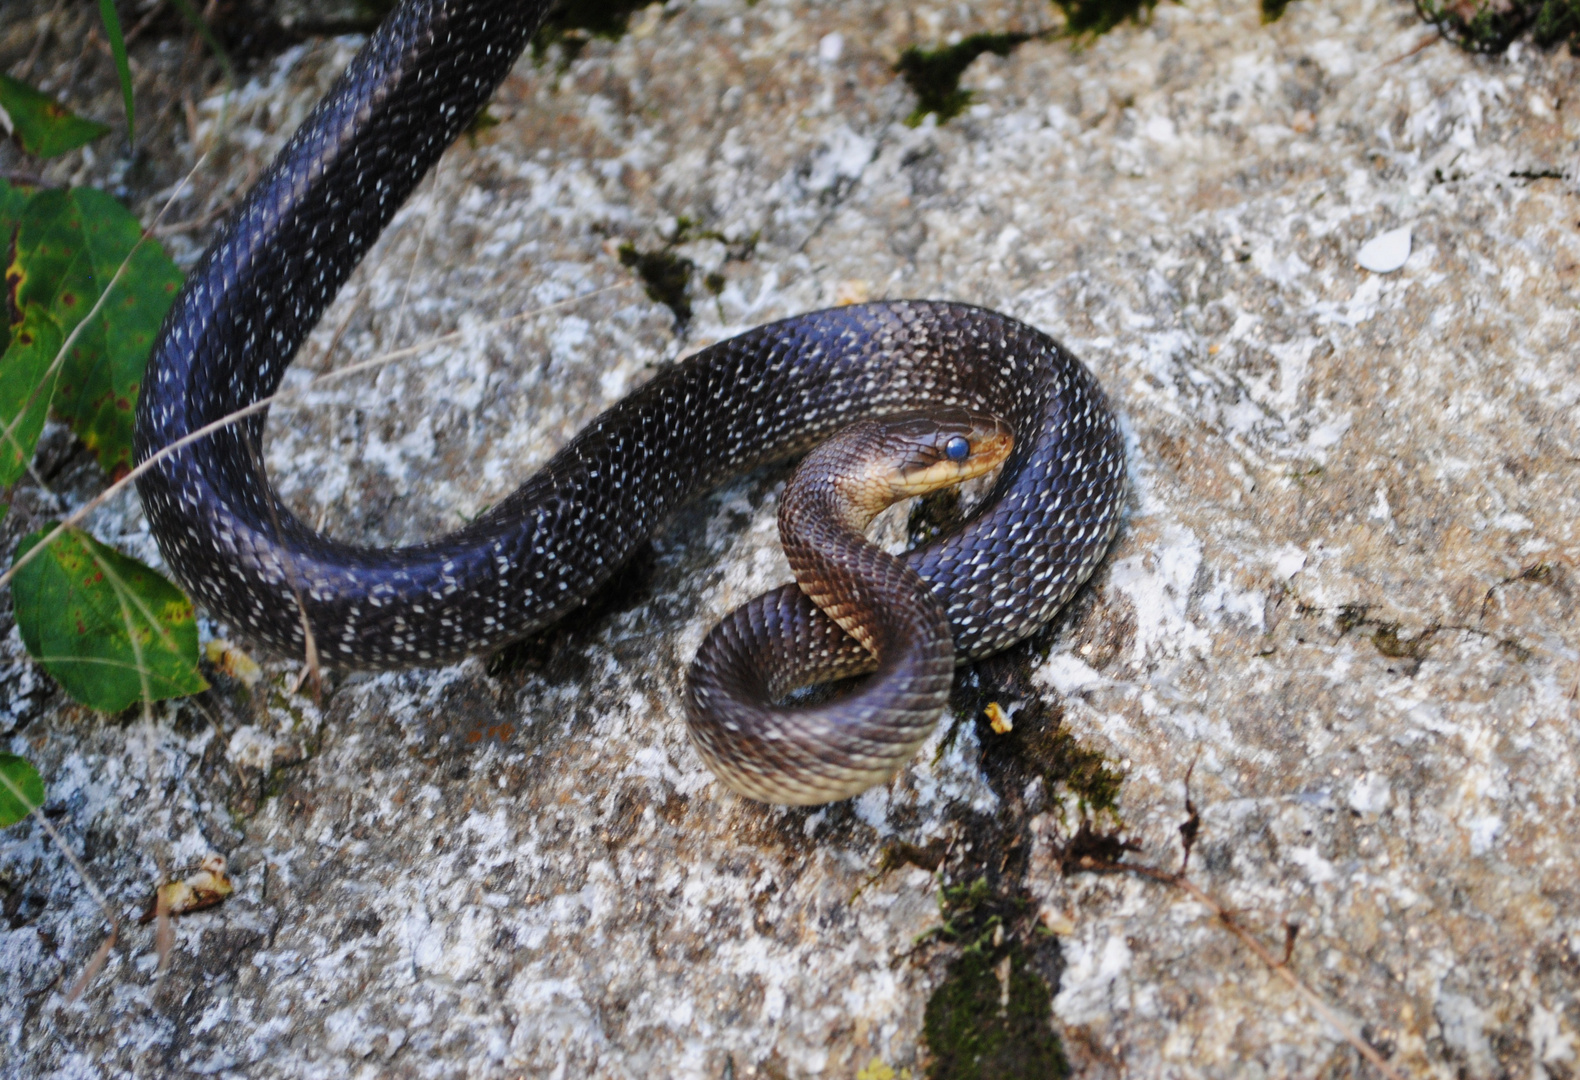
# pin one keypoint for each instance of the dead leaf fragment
(233, 662)
(203, 889)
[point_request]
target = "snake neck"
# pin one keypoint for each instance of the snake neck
(872, 595)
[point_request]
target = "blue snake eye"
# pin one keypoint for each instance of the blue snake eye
(957, 448)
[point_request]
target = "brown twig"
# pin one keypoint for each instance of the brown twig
(1425, 43)
(1279, 967)
(202, 219)
(323, 364)
(261, 405)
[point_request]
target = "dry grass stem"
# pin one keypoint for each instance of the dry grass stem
(261, 405)
(1279, 967)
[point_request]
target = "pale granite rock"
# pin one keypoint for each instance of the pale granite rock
(1344, 600)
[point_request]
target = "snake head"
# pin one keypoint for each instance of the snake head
(876, 462)
(928, 451)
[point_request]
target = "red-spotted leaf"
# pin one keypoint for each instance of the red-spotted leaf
(42, 126)
(13, 200)
(24, 791)
(107, 628)
(68, 248)
(26, 387)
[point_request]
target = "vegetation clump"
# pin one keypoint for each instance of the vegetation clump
(1490, 26)
(575, 23)
(990, 1017)
(664, 276)
(934, 74)
(1093, 18)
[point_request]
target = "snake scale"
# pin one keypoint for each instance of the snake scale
(769, 394)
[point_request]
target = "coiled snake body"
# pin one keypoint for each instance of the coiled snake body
(768, 394)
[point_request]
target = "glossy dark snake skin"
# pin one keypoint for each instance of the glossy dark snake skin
(765, 395)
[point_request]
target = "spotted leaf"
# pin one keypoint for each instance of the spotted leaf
(25, 790)
(26, 387)
(110, 630)
(40, 125)
(69, 245)
(13, 200)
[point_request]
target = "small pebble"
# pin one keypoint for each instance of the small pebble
(1385, 252)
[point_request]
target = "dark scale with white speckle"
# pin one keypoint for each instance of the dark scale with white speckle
(767, 394)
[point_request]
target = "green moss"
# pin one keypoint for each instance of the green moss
(1093, 18)
(1038, 745)
(480, 123)
(1487, 26)
(665, 276)
(1273, 10)
(934, 74)
(971, 914)
(1557, 21)
(1085, 772)
(574, 23)
(979, 1028)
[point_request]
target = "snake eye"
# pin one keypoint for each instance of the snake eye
(957, 448)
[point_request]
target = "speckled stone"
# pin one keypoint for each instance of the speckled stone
(1344, 599)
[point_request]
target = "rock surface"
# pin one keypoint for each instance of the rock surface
(1343, 606)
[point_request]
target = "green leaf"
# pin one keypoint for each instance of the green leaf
(13, 201)
(26, 780)
(26, 388)
(123, 67)
(68, 247)
(107, 628)
(42, 126)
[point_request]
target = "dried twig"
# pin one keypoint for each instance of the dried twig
(263, 404)
(1425, 43)
(1278, 966)
(103, 952)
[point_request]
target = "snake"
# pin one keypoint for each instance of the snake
(770, 394)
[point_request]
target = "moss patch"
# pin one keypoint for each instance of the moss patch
(934, 74)
(1038, 744)
(989, 1019)
(1557, 20)
(574, 23)
(664, 275)
(990, 1016)
(1092, 18)
(1491, 26)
